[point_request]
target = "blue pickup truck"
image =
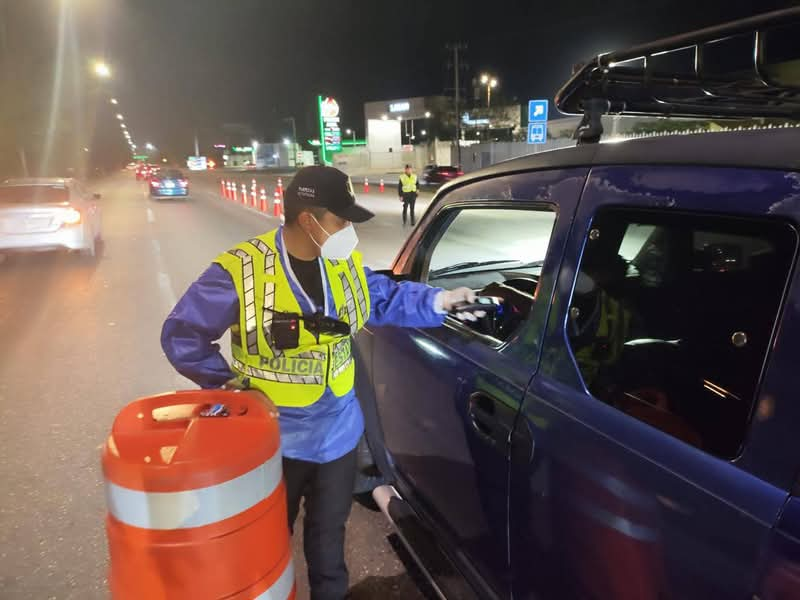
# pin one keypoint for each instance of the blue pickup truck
(625, 425)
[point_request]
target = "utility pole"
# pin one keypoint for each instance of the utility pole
(456, 75)
(196, 145)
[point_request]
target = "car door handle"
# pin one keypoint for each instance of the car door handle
(487, 418)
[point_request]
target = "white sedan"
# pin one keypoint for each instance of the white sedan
(49, 214)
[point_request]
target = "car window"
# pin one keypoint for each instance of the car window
(671, 318)
(33, 194)
(494, 251)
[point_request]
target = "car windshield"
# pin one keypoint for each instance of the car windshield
(33, 194)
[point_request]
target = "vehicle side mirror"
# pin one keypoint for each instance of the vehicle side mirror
(97, 196)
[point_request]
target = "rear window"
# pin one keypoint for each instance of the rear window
(171, 174)
(33, 194)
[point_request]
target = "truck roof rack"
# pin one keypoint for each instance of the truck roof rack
(743, 69)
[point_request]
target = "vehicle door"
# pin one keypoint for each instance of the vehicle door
(448, 397)
(659, 465)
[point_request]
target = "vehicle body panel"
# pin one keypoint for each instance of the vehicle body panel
(679, 522)
(456, 473)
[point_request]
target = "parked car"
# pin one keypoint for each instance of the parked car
(49, 214)
(169, 183)
(436, 175)
(624, 425)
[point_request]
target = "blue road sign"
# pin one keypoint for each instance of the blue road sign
(537, 132)
(537, 110)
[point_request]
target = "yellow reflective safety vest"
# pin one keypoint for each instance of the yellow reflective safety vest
(408, 183)
(299, 376)
(612, 332)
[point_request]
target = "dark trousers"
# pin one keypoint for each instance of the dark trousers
(328, 492)
(409, 200)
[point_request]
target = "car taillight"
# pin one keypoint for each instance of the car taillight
(460, 173)
(183, 182)
(71, 216)
(155, 182)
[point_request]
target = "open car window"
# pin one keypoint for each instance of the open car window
(496, 251)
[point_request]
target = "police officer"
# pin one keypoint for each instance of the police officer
(292, 299)
(407, 190)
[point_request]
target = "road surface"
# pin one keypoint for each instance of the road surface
(81, 339)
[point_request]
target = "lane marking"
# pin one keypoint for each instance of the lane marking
(164, 281)
(151, 217)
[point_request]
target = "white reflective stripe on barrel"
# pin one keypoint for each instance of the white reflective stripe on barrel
(281, 589)
(194, 508)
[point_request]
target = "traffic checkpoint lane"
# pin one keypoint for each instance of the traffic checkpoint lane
(380, 238)
(379, 565)
(100, 322)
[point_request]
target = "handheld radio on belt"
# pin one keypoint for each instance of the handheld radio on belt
(286, 328)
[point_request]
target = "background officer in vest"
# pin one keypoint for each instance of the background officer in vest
(407, 190)
(306, 267)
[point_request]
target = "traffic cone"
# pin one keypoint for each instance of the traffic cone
(277, 209)
(234, 192)
(263, 199)
(280, 186)
(244, 193)
(222, 186)
(382, 187)
(254, 193)
(366, 185)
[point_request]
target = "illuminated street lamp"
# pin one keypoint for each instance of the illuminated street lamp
(120, 117)
(423, 132)
(287, 142)
(427, 114)
(101, 69)
(490, 83)
(351, 132)
(123, 126)
(114, 101)
(149, 146)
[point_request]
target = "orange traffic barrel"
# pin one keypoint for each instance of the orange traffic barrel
(196, 499)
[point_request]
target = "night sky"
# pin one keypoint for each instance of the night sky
(185, 64)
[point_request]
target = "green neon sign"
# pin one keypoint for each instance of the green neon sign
(330, 134)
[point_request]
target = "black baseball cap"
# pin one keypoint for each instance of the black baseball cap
(326, 187)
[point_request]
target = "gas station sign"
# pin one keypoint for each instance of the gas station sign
(329, 130)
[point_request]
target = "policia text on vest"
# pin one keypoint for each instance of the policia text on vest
(299, 375)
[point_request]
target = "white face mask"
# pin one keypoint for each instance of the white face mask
(339, 245)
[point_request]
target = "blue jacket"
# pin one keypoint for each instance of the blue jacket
(325, 430)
